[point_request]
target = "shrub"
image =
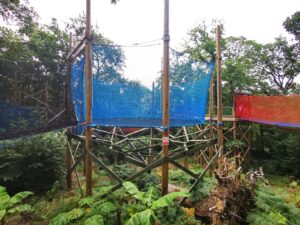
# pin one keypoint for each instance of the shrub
(178, 177)
(271, 209)
(32, 163)
(143, 182)
(203, 188)
(11, 205)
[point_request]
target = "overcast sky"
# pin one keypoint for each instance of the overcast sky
(132, 21)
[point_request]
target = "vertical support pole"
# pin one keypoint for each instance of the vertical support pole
(249, 145)
(186, 140)
(67, 113)
(69, 163)
(211, 119)
(88, 91)
(219, 92)
(234, 124)
(150, 157)
(165, 101)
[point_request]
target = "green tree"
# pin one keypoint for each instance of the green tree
(18, 12)
(292, 25)
(278, 66)
(238, 65)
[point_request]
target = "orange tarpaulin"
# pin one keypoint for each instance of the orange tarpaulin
(276, 110)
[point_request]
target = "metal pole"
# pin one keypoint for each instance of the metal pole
(88, 91)
(165, 101)
(219, 92)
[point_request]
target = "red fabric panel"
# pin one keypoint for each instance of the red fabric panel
(278, 110)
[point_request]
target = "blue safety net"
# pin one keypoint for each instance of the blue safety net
(118, 101)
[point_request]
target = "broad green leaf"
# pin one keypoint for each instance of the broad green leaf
(145, 217)
(17, 198)
(60, 219)
(66, 218)
(4, 198)
(94, 220)
(132, 190)
(20, 208)
(168, 199)
(150, 196)
(2, 214)
(86, 202)
(75, 214)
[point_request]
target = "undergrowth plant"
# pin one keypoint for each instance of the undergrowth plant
(12, 205)
(122, 207)
(152, 203)
(271, 209)
(32, 163)
(203, 188)
(143, 182)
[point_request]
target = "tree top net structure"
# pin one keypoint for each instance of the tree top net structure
(120, 102)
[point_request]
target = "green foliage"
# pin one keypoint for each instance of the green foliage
(86, 202)
(82, 211)
(17, 11)
(143, 182)
(271, 209)
(11, 205)
(293, 184)
(178, 177)
(145, 217)
(151, 201)
(32, 163)
(292, 25)
(203, 188)
(281, 149)
(277, 64)
(94, 220)
(232, 144)
(66, 218)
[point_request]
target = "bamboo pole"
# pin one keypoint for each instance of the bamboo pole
(219, 92)
(165, 101)
(88, 91)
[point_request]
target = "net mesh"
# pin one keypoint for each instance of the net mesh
(118, 101)
(274, 110)
(33, 98)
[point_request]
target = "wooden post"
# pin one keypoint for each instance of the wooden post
(165, 101)
(69, 163)
(69, 140)
(150, 157)
(88, 100)
(219, 92)
(211, 118)
(249, 145)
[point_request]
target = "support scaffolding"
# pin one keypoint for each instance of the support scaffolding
(132, 146)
